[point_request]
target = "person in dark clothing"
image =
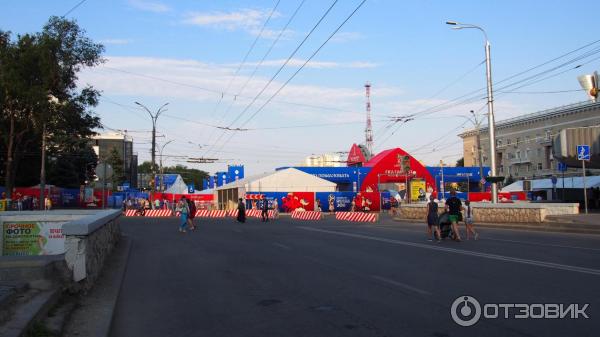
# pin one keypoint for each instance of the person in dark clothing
(454, 208)
(265, 210)
(433, 226)
(241, 217)
(192, 214)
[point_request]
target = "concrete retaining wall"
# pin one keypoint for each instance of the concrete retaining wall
(90, 236)
(499, 213)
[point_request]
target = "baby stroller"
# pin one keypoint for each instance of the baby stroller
(445, 225)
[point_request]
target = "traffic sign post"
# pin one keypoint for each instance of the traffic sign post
(583, 154)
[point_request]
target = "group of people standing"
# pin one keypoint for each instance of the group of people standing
(453, 208)
(187, 211)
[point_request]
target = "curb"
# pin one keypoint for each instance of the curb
(95, 315)
(25, 314)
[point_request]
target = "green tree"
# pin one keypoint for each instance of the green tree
(33, 67)
(460, 162)
(189, 175)
(116, 161)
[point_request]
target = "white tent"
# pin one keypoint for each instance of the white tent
(546, 184)
(287, 180)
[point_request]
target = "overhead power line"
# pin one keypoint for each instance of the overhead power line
(301, 67)
(73, 8)
(278, 70)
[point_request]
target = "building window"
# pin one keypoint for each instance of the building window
(527, 139)
(527, 154)
(527, 168)
(539, 152)
(518, 141)
(502, 169)
(518, 155)
(508, 141)
(539, 166)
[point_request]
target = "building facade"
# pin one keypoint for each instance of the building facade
(104, 144)
(524, 144)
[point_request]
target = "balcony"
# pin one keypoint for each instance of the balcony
(520, 161)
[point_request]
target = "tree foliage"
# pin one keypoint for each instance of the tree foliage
(34, 68)
(190, 175)
(460, 162)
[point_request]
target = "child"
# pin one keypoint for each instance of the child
(469, 221)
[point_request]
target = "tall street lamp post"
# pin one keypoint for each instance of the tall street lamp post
(154, 117)
(490, 104)
(162, 174)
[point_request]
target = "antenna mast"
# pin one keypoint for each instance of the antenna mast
(369, 128)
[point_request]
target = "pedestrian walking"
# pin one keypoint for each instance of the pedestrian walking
(454, 208)
(433, 225)
(20, 204)
(47, 204)
(469, 221)
(184, 211)
(331, 201)
(192, 214)
(275, 209)
(265, 210)
(319, 209)
(241, 217)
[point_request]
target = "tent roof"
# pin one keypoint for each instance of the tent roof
(290, 179)
(546, 184)
(241, 182)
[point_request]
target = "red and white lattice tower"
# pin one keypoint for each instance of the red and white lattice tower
(369, 128)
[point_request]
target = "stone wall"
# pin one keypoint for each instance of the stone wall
(509, 215)
(498, 213)
(88, 243)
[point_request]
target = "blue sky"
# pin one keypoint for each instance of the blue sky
(187, 52)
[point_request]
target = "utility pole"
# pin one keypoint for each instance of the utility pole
(154, 117)
(477, 123)
(162, 174)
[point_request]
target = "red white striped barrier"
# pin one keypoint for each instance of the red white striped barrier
(308, 215)
(203, 213)
(149, 212)
(157, 212)
(233, 213)
(130, 212)
(357, 216)
(253, 213)
(255, 196)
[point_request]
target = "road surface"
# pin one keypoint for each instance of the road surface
(331, 278)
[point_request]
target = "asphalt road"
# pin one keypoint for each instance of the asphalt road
(330, 278)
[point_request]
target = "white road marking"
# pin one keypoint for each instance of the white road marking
(282, 246)
(401, 285)
(541, 244)
(550, 265)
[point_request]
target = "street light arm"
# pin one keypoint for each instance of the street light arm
(145, 108)
(458, 25)
(161, 110)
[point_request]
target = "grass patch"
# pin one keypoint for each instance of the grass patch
(38, 329)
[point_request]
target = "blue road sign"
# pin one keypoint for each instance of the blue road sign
(583, 152)
(562, 167)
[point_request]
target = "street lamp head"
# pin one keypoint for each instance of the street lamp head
(452, 23)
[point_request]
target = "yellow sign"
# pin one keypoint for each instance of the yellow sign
(417, 190)
(2, 205)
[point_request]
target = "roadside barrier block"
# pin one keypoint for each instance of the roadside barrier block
(307, 215)
(357, 216)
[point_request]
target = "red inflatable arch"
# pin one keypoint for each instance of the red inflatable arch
(385, 167)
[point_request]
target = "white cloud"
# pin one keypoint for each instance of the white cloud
(150, 6)
(248, 20)
(115, 41)
(316, 64)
